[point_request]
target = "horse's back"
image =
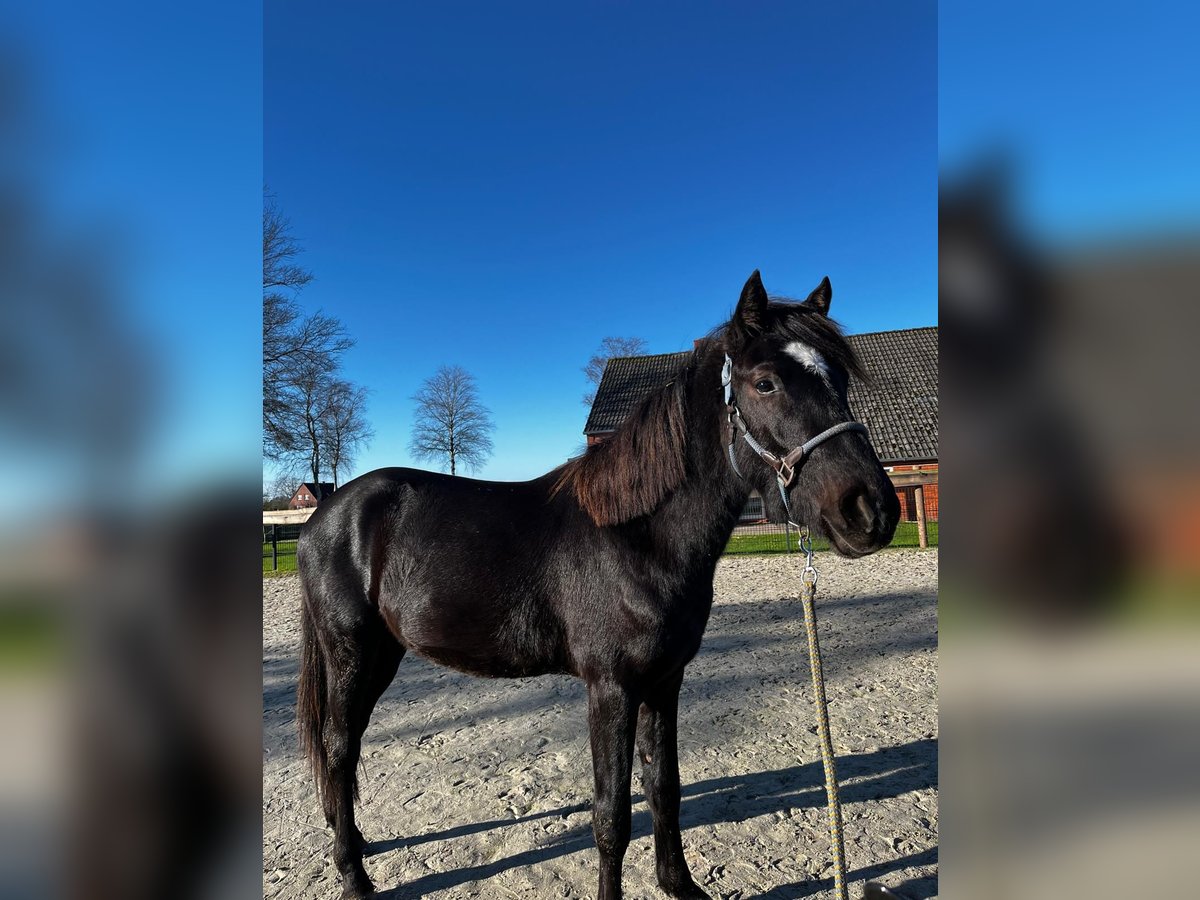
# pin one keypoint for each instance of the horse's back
(454, 567)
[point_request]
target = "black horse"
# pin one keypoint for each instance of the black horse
(602, 568)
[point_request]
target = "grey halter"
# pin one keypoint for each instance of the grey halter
(785, 467)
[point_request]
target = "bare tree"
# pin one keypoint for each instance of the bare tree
(295, 346)
(309, 396)
(280, 490)
(284, 485)
(609, 347)
(280, 249)
(345, 426)
(452, 426)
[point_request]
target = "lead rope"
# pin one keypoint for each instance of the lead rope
(808, 595)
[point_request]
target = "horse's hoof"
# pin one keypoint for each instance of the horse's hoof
(358, 887)
(689, 891)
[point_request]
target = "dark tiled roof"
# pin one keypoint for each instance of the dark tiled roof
(899, 402)
(627, 380)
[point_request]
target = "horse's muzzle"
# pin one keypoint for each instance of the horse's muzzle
(862, 521)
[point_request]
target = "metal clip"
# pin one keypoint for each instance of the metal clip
(809, 574)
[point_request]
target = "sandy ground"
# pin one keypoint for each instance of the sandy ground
(479, 788)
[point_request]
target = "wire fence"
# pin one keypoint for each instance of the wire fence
(279, 547)
(753, 534)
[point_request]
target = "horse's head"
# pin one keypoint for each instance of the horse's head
(791, 367)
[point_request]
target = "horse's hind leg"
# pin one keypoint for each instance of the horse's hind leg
(361, 662)
(379, 674)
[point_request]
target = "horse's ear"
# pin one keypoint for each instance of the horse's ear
(821, 296)
(751, 313)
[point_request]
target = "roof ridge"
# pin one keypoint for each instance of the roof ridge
(894, 330)
(650, 355)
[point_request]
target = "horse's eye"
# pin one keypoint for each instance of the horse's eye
(765, 386)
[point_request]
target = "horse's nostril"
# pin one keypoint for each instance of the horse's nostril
(858, 510)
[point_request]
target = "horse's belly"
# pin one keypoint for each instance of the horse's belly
(477, 638)
(492, 665)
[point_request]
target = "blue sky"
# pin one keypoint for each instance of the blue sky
(1094, 109)
(144, 131)
(502, 191)
(501, 188)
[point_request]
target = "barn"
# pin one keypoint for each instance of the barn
(897, 401)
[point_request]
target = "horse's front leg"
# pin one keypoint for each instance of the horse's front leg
(658, 749)
(612, 719)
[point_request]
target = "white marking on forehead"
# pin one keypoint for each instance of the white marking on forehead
(808, 357)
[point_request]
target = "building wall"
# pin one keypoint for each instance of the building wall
(908, 495)
(303, 500)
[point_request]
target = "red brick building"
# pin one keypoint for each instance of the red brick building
(310, 494)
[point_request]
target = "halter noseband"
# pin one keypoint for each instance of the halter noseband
(785, 467)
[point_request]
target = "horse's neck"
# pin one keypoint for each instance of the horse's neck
(702, 512)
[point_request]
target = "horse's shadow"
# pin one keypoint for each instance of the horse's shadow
(914, 888)
(888, 772)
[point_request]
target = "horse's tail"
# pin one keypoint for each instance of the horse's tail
(310, 699)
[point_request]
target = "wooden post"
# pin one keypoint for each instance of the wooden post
(919, 502)
(275, 546)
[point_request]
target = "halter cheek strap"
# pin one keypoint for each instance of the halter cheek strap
(734, 416)
(785, 467)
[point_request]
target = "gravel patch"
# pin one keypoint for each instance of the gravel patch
(482, 788)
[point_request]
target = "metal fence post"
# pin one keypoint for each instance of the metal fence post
(275, 547)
